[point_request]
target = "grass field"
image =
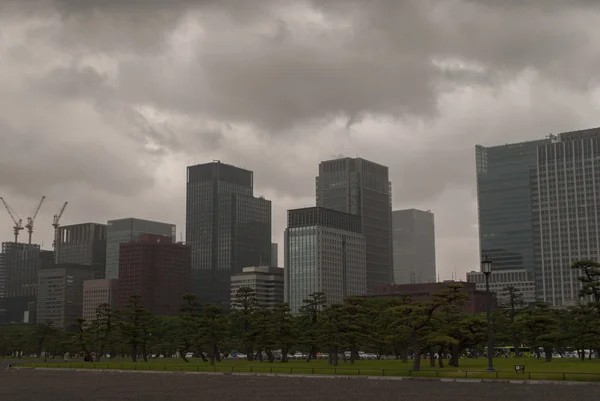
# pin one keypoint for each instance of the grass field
(558, 369)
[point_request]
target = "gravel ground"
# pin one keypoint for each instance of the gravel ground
(35, 385)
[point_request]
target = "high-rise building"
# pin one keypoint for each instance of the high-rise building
(274, 255)
(325, 251)
(227, 228)
(566, 205)
(413, 236)
(96, 293)
(60, 293)
(504, 203)
(128, 230)
(266, 281)
(83, 244)
(361, 187)
(157, 270)
(19, 266)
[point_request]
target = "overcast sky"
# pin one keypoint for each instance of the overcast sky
(103, 103)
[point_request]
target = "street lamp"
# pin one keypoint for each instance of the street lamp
(486, 268)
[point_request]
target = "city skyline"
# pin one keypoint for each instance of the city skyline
(107, 114)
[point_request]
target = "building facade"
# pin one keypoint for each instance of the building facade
(96, 293)
(476, 299)
(266, 281)
(60, 293)
(522, 280)
(566, 204)
(128, 230)
(227, 228)
(504, 203)
(361, 187)
(157, 270)
(83, 244)
(19, 266)
(413, 233)
(325, 251)
(274, 255)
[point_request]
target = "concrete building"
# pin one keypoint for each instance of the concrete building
(83, 244)
(504, 203)
(522, 280)
(413, 234)
(566, 203)
(19, 266)
(325, 251)
(476, 299)
(96, 293)
(227, 228)
(361, 187)
(266, 281)
(274, 255)
(128, 230)
(157, 270)
(60, 293)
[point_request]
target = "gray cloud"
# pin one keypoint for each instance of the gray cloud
(106, 101)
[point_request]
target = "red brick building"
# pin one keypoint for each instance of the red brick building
(157, 270)
(476, 302)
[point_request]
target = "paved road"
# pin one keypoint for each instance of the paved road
(32, 385)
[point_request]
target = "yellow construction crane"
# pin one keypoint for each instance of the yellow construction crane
(30, 220)
(15, 218)
(56, 224)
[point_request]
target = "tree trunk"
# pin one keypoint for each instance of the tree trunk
(417, 350)
(431, 359)
(548, 352)
(454, 355)
(354, 355)
(134, 353)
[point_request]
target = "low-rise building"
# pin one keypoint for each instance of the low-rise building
(520, 279)
(476, 299)
(267, 283)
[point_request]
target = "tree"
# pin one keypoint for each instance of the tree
(264, 333)
(311, 309)
(41, 333)
(244, 310)
(135, 324)
(285, 329)
(188, 324)
(213, 329)
(590, 280)
(515, 304)
(330, 330)
(355, 314)
(103, 327)
(539, 326)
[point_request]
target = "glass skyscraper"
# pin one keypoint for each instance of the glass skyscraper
(504, 203)
(414, 246)
(325, 251)
(227, 228)
(129, 230)
(361, 187)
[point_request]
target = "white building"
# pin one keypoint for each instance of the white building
(499, 280)
(267, 283)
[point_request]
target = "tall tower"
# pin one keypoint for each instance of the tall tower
(361, 187)
(227, 228)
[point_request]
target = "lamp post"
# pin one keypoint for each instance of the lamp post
(486, 269)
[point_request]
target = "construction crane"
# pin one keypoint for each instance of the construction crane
(15, 218)
(30, 220)
(56, 224)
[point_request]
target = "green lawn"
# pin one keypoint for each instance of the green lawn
(558, 369)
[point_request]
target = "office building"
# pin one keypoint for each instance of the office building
(266, 281)
(157, 270)
(413, 236)
(128, 230)
(325, 251)
(522, 280)
(361, 187)
(227, 228)
(566, 205)
(504, 203)
(96, 293)
(83, 244)
(19, 266)
(60, 293)
(475, 303)
(274, 255)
